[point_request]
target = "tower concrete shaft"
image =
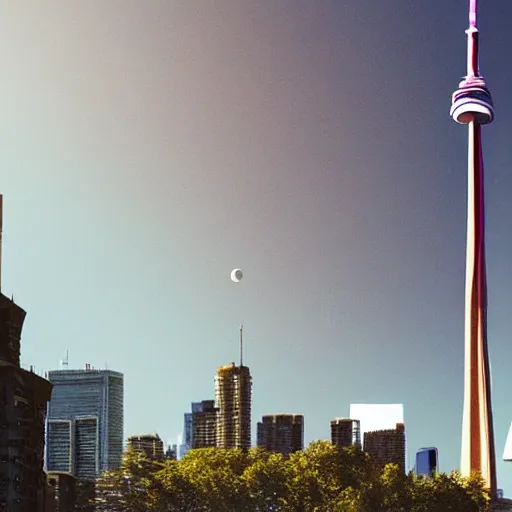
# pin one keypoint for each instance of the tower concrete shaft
(472, 105)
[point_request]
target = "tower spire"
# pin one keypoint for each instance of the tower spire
(472, 105)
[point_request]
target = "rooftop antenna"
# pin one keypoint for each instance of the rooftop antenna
(66, 361)
(241, 345)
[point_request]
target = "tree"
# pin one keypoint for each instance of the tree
(318, 479)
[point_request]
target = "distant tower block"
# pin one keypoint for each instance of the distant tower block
(386, 446)
(472, 105)
(345, 432)
(282, 433)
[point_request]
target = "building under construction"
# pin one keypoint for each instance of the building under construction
(386, 446)
(233, 389)
(149, 444)
(23, 399)
(283, 433)
(345, 432)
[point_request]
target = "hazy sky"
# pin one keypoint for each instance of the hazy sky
(149, 147)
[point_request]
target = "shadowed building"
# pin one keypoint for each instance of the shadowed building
(233, 400)
(171, 453)
(63, 491)
(23, 399)
(386, 446)
(85, 422)
(204, 424)
(283, 433)
(345, 432)
(149, 444)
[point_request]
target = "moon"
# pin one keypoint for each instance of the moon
(236, 275)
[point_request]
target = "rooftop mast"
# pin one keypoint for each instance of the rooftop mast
(241, 346)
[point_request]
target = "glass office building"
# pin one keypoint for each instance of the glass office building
(85, 422)
(427, 461)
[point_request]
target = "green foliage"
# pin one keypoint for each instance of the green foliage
(321, 478)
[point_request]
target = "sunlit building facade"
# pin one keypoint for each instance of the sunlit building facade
(233, 390)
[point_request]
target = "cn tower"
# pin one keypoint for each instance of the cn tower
(472, 105)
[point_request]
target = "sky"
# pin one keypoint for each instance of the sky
(148, 148)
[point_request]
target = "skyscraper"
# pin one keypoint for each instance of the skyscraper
(345, 432)
(472, 105)
(283, 433)
(427, 461)
(233, 385)
(85, 422)
(386, 446)
(23, 399)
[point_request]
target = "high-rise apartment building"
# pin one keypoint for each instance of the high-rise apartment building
(345, 432)
(85, 422)
(200, 426)
(23, 399)
(427, 461)
(233, 387)
(149, 444)
(283, 433)
(204, 424)
(386, 446)
(374, 417)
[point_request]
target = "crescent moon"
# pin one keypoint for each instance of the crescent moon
(236, 275)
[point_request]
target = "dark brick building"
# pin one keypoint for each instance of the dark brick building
(283, 433)
(23, 399)
(386, 446)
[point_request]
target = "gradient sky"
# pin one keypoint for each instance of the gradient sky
(147, 148)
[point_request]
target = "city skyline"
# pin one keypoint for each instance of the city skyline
(147, 151)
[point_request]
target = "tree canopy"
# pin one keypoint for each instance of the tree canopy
(321, 478)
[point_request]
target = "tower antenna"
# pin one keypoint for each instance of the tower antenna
(241, 345)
